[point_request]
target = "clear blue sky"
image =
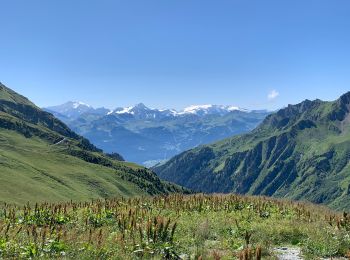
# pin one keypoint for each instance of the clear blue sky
(173, 53)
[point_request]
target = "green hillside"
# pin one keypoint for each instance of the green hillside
(41, 159)
(301, 152)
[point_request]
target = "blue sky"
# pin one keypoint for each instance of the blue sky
(174, 53)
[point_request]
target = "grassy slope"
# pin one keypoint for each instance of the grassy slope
(300, 152)
(33, 170)
(33, 167)
(193, 227)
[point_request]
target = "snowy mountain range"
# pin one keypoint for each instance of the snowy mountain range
(148, 135)
(75, 109)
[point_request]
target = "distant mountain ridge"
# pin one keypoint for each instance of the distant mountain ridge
(147, 135)
(74, 109)
(300, 152)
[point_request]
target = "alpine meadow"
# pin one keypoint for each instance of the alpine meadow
(175, 130)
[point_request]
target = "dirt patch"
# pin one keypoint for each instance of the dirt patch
(287, 253)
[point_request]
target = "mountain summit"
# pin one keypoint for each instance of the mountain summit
(210, 109)
(299, 152)
(73, 109)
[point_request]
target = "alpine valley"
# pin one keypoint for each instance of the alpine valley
(149, 136)
(301, 152)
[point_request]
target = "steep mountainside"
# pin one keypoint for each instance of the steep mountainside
(147, 136)
(41, 159)
(300, 152)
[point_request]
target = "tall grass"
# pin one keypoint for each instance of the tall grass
(172, 227)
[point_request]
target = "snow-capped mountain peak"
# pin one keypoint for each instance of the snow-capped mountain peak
(194, 108)
(140, 111)
(71, 106)
(125, 110)
(210, 109)
(74, 109)
(77, 104)
(130, 110)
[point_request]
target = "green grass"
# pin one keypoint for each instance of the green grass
(9, 95)
(33, 170)
(193, 227)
